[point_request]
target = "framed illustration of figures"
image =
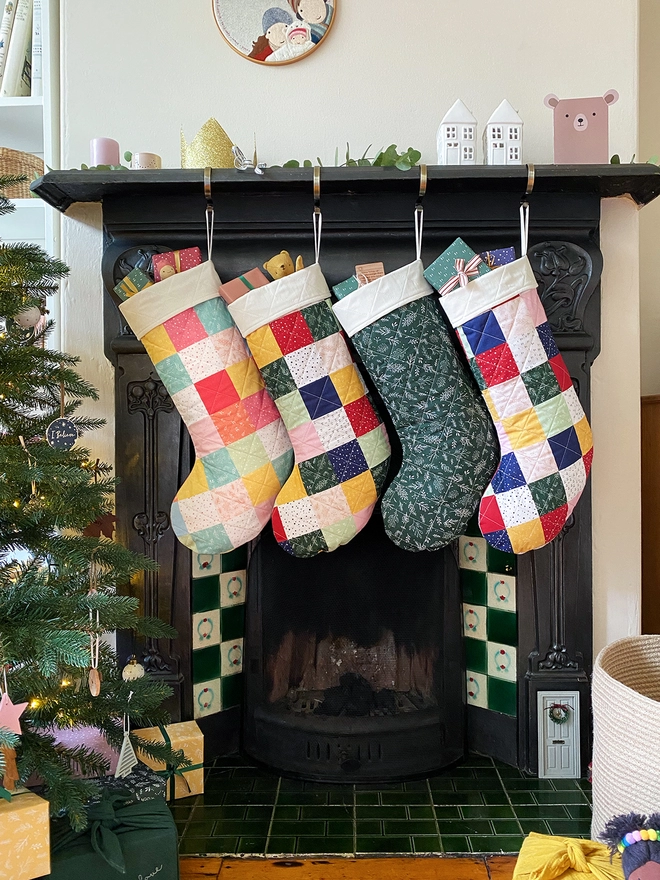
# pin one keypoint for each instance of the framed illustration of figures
(274, 32)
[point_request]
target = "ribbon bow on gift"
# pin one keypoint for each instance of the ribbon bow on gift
(464, 271)
(172, 770)
(563, 858)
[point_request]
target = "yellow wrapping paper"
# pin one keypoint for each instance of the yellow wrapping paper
(25, 835)
(563, 858)
(186, 736)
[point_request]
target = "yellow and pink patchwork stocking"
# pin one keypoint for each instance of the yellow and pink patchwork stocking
(341, 447)
(243, 451)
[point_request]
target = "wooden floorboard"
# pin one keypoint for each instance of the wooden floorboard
(475, 868)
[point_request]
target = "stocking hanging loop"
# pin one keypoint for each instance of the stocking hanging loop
(210, 212)
(524, 210)
(419, 209)
(317, 216)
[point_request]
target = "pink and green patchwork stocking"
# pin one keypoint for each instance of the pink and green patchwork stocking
(243, 451)
(341, 447)
(545, 438)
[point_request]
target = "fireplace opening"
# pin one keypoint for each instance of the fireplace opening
(353, 661)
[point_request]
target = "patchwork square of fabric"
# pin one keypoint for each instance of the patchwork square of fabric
(219, 468)
(508, 475)
(278, 378)
(199, 512)
(529, 534)
(554, 521)
(305, 365)
(158, 344)
(276, 442)
(173, 373)
(320, 397)
(241, 528)
(340, 533)
(233, 423)
(248, 454)
(478, 375)
(490, 515)
(306, 545)
(348, 383)
(204, 434)
(330, 506)
(548, 494)
(317, 474)
(298, 517)
(547, 339)
(185, 328)
(561, 373)
(245, 377)
(214, 315)
(483, 333)
(573, 403)
(360, 491)
(293, 410)
(565, 448)
(262, 485)
(554, 415)
(527, 350)
(347, 461)
(541, 383)
(497, 365)
(264, 347)
(320, 319)
(217, 391)
(230, 346)
(231, 500)
(509, 398)
(375, 447)
(536, 461)
(334, 429)
(517, 506)
(583, 431)
(291, 332)
(196, 484)
(362, 416)
(523, 429)
(334, 353)
(260, 409)
(293, 489)
(573, 477)
(306, 441)
(189, 404)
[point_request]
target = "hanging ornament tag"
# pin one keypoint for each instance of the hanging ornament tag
(10, 712)
(133, 670)
(61, 434)
(127, 757)
(94, 681)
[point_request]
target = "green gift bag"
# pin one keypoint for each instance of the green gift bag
(134, 840)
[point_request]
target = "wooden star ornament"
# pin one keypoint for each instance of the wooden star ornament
(10, 713)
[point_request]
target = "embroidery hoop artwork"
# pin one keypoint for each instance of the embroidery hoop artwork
(274, 32)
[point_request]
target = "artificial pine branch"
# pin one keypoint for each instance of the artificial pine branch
(48, 498)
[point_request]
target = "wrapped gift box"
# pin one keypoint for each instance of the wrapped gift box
(136, 840)
(186, 736)
(141, 784)
(133, 283)
(232, 290)
(174, 262)
(499, 257)
(25, 835)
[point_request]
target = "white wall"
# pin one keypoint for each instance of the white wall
(138, 71)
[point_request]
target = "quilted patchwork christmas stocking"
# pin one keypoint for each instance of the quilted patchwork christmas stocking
(341, 447)
(449, 446)
(243, 450)
(545, 439)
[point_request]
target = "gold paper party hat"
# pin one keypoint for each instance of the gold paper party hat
(211, 147)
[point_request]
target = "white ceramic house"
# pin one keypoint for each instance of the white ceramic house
(503, 137)
(457, 137)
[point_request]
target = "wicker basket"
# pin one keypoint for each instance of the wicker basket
(626, 704)
(17, 163)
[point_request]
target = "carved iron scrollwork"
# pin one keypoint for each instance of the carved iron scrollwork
(567, 277)
(148, 398)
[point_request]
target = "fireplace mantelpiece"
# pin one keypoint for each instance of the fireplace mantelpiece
(367, 216)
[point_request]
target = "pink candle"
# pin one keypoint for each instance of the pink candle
(103, 151)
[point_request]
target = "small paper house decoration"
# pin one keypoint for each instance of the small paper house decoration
(503, 137)
(457, 137)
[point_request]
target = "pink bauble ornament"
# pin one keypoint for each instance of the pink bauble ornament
(28, 318)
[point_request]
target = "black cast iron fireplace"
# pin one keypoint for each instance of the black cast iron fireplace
(353, 661)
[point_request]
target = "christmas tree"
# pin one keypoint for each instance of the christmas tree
(58, 572)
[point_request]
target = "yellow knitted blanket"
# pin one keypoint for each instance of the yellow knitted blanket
(563, 858)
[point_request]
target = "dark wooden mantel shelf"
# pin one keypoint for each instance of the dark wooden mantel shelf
(642, 182)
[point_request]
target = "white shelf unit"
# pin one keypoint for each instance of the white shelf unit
(32, 124)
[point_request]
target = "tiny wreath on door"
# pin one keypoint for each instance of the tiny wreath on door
(274, 31)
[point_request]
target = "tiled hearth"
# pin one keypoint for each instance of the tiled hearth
(480, 806)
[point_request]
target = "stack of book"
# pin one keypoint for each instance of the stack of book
(20, 49)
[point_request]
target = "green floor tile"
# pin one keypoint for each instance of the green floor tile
(477, 785)
(397, 828)
(447, 813)
(508, 773)
(560, 797)
(251, 845)
(200, 846)
(427, 844)
(423, 812)
(565, 784)
(537, 825)
(281, 846)
(584, 784)
(476, 655)
(455, 843)
(499, 562)
(389, 812)
(528, 784)
(438, 783)
(416, 785)
(506, 826)
(292, 784)
(540, 812)
(369, 828)
(500, 798)
(579, 811)
(496, 844)
(200, 829)
(309, 828)
(389, 798)
(502, 626)
(569, 827)
(287, 813)
(263, 813)
(367, 797)
(206, 664)
(474, 587)
(520, 797)
(205, 594)
(240, 828)
(180, 813)
(451, 798)
(384, 845)
(340, 798)
(227, 783)
(311, 846)
(489, 812)
(339, 828)
(250, 798)
(458, 773)
(464, 826)
(302, 798)
(324, 812)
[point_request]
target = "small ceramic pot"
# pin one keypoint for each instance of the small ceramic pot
(146, 160)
